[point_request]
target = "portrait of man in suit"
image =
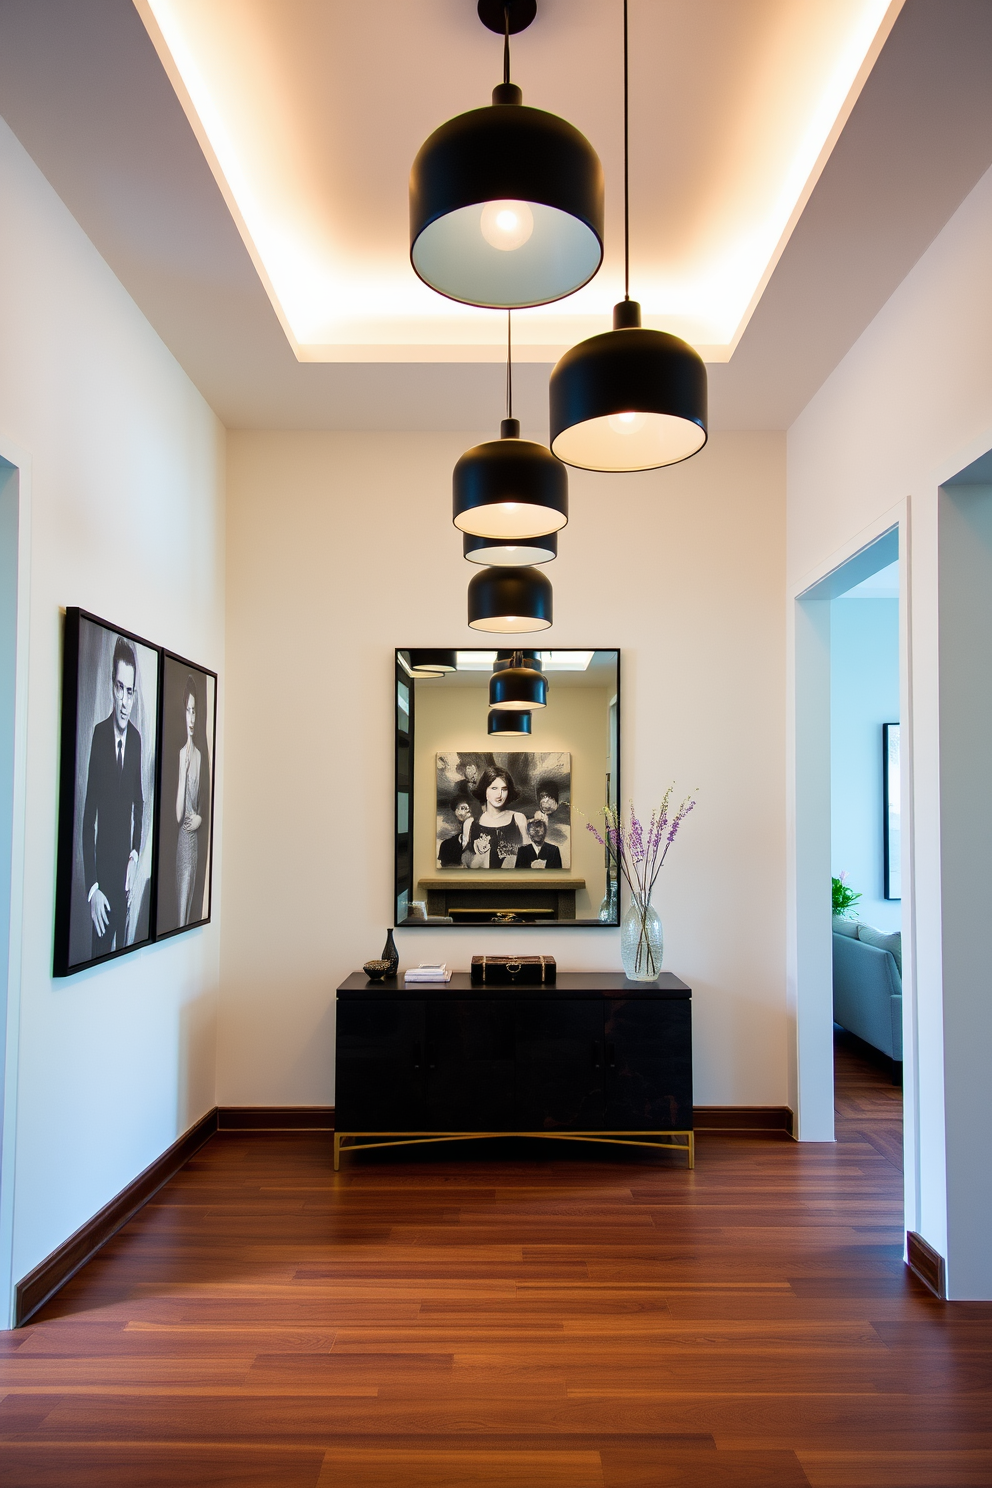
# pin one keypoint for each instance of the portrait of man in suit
(538, 852)
(113, 811)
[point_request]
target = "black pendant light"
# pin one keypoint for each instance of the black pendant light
(632, 398)
(518, 687)
(509, 601)
(502, 722)
(517, 553)
(425, 663)
(506, 202)
(510, 489)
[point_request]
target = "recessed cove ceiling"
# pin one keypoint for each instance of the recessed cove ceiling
(311, 112)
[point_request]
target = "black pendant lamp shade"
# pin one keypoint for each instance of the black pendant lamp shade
(506, 202)
(518, 687)
(501, 722)
(630, 399)
(509, 601)
(518, 553)
(509, 488)
(426, 663)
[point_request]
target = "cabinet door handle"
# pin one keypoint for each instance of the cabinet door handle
(416, 1056)
(596, 1057)
(611, 1056)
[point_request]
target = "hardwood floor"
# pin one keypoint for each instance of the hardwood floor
(510, 1316)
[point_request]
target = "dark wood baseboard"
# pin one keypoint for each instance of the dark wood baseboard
(926, 1264)
(35, 1289)
(275, 1118)
(753, 1119)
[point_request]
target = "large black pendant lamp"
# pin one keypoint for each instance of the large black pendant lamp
(509, 489)
(518, 687)
(502, 722)
(506, 202)
(632, 398)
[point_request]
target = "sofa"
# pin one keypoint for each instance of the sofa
(868, 987)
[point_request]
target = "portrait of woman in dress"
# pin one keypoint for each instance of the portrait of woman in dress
(189, 707)
(188, 815)
(500, 833)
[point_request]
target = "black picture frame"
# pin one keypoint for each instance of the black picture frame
(177, 873)
(88, 772)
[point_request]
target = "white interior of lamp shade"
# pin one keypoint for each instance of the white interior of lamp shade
(510, 519)
(512, 555)
(506, 707)
(561, 254)
(509, 624)
(653, 439)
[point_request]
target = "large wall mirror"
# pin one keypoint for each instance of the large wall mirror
(492, 806)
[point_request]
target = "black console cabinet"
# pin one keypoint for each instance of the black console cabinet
(593, 1058)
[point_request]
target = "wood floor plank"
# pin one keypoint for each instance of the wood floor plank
(524, 1315)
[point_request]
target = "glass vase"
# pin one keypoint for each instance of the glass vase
(642, 941)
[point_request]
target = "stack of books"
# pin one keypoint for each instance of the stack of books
(428, 971)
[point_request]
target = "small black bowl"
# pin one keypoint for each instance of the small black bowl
(376, 970)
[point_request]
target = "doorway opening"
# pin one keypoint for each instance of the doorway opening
(865, 853)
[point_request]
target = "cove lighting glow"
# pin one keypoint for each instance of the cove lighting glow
(310, 115)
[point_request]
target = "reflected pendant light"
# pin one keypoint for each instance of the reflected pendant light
(425, 663)
(518, 687)
(506, 202)
(509, 601)
(509, 489)
(501, 722)
(632, 398)
(518, 553)
(509, 658)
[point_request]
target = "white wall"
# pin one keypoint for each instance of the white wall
(340, 547)
(126, 465)
(864, 695)
(909, 406)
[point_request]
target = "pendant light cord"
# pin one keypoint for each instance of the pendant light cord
(509, 367)
(626, 163)
(506, 43)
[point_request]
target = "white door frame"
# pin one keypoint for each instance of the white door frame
(15, 482)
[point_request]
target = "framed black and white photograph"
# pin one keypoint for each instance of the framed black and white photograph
(188, 726)
(504, 810)
(110, 705)
(891, 838)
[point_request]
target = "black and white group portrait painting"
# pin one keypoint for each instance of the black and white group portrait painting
(504, 811)
(189, 714)
(107, 793)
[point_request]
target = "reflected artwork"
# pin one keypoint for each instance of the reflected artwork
(504, 810)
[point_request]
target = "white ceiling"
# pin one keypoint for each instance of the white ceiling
(83, 88)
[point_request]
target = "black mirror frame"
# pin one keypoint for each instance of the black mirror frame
(403, 785)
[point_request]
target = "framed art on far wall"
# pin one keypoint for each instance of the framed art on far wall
(107, 809)
(891, 839)
(188, 729)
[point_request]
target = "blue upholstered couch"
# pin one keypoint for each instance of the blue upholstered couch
(868, 994)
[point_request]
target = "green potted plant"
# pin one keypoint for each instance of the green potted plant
(844, 898)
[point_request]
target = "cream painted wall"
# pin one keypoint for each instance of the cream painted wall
(907, 408)
(452, 717)
(340, 547)
(125, 466)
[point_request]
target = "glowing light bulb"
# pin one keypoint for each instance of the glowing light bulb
(506, 224)
(627, 423)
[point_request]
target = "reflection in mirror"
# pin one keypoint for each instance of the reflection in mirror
(491, 826)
